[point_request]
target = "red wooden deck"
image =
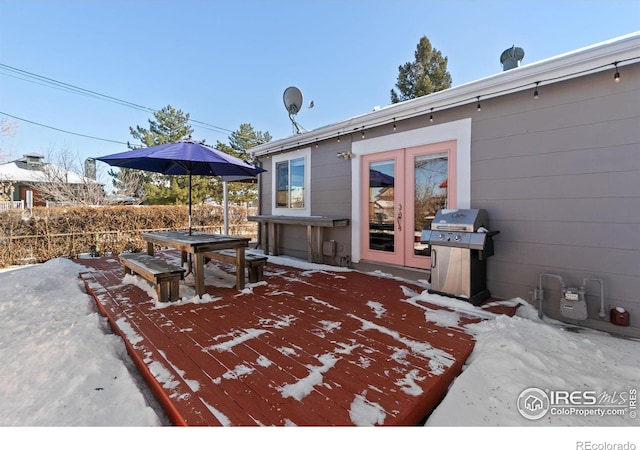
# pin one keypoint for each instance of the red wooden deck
(305, 347)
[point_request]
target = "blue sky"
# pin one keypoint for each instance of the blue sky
(228, 62)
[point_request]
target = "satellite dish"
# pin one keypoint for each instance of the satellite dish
(292, 98)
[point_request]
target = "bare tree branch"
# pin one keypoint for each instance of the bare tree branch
(7, 129)
(65, 181)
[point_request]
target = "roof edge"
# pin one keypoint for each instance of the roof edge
(581, 62)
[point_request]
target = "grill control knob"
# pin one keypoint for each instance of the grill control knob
(441, 236)
(458, 237)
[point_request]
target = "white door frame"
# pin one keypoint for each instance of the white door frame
(459, 130)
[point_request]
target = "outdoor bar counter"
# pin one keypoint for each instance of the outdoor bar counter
(315, 225)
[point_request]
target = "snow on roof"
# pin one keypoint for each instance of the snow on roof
(18, 171)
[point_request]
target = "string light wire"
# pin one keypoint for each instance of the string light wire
(488, 94)
(81, 91)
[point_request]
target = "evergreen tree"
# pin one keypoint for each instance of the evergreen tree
(426, 74)
(240, 142)
(169, 125)
(245, 138)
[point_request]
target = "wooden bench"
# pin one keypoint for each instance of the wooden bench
(165, 276)
(254, 263)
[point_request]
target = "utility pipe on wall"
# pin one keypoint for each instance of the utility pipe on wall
(539, 292)
(601, 314)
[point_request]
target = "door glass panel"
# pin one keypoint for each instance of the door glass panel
(431, 178)
(381, 206)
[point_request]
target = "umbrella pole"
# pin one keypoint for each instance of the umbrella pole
(225, 201)
(189, 203)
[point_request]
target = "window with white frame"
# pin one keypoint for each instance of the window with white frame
(291, 183)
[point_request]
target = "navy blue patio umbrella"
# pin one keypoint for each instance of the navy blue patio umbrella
(184, 158)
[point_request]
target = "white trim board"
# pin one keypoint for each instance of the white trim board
(459, 131)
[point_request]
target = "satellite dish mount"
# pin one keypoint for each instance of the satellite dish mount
(292, 98)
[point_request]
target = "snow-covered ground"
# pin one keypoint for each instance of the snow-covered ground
(62, 367)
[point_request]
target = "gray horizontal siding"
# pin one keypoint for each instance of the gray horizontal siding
(594, 186)
(330, 191)
(560, 177)
(583, 234)
(266, 192)
(574, 210)
(330, 181)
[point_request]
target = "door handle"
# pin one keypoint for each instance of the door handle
(433, 258)
(399, 216)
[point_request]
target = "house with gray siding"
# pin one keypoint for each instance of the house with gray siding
(551, 150)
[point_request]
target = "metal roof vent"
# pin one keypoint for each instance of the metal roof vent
(511, 57)
(33, 159)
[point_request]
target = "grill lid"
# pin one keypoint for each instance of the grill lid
(468, 220)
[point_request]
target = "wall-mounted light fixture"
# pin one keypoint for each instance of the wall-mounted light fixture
(616, 76)
(346, 155)
(535, 93)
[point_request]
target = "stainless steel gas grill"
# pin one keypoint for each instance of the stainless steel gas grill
(459, 244)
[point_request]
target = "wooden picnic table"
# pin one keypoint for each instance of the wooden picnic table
(197, 244)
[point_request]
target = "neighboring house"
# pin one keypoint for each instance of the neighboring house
(47, 182)
(550, 149)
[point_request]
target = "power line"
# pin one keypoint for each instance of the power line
(50, 82)
(73, 89)
(61, 130)
(44, 84)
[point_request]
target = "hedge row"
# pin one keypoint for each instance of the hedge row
(45, 233)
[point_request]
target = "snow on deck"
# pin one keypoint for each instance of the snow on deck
(307, 346)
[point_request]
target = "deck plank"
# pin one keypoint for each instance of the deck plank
(307, 347)
(156, 357)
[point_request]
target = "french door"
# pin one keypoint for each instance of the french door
(401, 192)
